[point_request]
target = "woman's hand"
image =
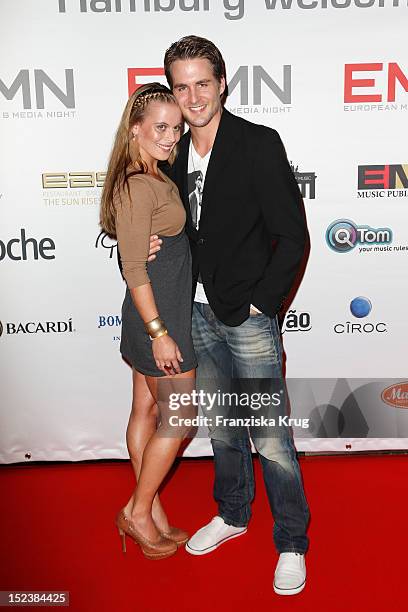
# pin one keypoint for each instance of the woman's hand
(167, 355)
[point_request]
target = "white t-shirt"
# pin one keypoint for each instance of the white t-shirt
(197, 169)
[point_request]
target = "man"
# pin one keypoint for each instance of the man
(247, 242)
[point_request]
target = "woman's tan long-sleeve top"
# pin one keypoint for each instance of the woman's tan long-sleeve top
(154, 207)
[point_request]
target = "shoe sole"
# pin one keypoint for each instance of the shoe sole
(205, 551)
(181, 543)
(159, 555)
(289, 591)
(178, 543)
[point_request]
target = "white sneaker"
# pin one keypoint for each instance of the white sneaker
(290, 574)
(209, 537)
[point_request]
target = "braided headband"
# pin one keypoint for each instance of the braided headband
(142, 98)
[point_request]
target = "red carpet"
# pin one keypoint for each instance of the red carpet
(57, 533)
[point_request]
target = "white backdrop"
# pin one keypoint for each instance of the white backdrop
(323, 74)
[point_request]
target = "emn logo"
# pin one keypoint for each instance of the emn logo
(240, 80)
(390, 176)
(36, 84)
(134, 73)
(394, 74)
(259, 77)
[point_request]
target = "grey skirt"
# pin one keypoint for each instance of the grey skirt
(170, 277)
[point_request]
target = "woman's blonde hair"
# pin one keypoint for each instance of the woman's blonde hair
(125, 149)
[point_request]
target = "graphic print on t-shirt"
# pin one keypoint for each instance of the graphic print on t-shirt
(195, 182)
(197, 170)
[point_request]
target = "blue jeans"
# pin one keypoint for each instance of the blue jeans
(252, 350)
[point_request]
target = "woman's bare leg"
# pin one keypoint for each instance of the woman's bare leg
(158, 457)
(141, 427)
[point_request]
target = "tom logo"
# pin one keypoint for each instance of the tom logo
(396, 395)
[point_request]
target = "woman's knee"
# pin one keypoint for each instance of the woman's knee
(144, 410)
(143, 402)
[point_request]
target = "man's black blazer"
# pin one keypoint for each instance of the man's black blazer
(252, 230)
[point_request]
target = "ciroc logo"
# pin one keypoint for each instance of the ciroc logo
(360, 307)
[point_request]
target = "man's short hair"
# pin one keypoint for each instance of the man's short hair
(193, 47)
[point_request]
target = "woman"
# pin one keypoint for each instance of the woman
(139, 200)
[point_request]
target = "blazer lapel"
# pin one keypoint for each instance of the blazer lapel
(181, 173)
(224, 144)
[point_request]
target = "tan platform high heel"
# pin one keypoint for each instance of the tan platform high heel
(179, 536)
(151, 550)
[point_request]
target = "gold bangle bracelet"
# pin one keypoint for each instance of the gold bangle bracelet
(163, 332)
(154, 326)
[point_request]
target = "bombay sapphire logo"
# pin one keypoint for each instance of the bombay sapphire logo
(360, 307)
(111, 322)
(343, 235)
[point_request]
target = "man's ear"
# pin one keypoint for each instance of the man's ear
(222, 85)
